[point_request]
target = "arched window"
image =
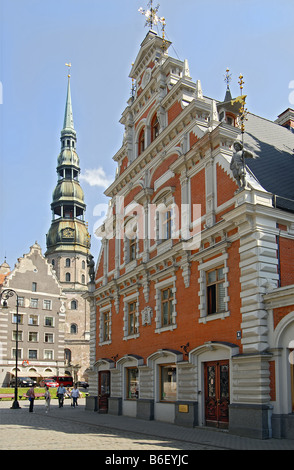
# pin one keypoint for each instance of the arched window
(141, 141)
(73, 329)
(83, 264)
(83, 278)
(67, 262)
(67, 277)
(73, 305)
(67, 356)
(154, 127)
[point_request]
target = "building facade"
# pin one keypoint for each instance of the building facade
(192, 308)
(41, 320)
(68, 245)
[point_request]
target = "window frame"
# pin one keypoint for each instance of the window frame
(169, 302)
(129, 382)
(213, 286)
(162, 368)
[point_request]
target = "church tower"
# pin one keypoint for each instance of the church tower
(68, 244)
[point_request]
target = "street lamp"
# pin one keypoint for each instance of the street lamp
(4, 296)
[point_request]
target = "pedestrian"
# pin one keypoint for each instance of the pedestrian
(47, 398)
(31, 397)
(60, 393)
(75, 394)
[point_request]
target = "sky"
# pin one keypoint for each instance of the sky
(101, 39)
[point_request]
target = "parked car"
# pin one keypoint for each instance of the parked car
(82, 384)
(22, 382)
(49, 382)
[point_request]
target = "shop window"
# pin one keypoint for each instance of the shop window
(132, 383)
(168, 383)
(215, 291)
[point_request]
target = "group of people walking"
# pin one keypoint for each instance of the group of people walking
(62, 392)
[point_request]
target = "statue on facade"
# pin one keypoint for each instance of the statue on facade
(91, 266)
(237, 165)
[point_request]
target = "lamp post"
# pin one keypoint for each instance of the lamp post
(4, 296)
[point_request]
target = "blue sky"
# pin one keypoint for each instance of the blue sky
(101, 40)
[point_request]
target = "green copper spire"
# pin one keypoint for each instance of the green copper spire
(68, 231)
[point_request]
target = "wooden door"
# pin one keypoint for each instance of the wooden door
(103, 390)
(217, 393)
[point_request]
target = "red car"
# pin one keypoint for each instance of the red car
(49, 383)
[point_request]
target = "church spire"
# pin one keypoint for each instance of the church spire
(68, 115)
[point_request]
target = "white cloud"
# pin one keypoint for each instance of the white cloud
(96, 177)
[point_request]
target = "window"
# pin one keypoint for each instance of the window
(141, 141)
(67, 277)
(47, 305)
(168, 383)
(18, 353)
(73, 329)
(154, 128)
(33, 320)
(48, 354)
(166, 306)
(132, 383)
(132, 248)
(167, 225)
(83, 278)
(34, 287)
(67, 262)
(73, 305)
(19, 336)
(48, 338)
(34, 303)
(215, 291)
(83, 265)
(49, 321)
(132, 329)
(17, 319)
(20, 301)
(53, 262)
(33, 354)
(67, 356)
(33, 336)
(106, 326)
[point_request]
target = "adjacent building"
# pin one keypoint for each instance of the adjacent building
(38, 304)
(192, 308)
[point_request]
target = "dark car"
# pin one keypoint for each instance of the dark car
(83, 384)
(22, 382)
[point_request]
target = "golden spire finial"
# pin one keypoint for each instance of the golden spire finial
(69, 66)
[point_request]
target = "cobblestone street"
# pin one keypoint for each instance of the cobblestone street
(59, 430)
(79, 429)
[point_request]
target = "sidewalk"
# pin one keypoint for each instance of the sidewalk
(203, 436)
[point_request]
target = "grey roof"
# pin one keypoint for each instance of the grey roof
(274, 167)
